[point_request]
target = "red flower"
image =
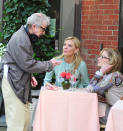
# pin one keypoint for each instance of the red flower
(66, 82)
(68, 75)
(63, 74)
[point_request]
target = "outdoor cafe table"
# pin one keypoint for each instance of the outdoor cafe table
(115, 118)
(66, 111)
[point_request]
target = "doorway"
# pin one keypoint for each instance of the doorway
(67, 15)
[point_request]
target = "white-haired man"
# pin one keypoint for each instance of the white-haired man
(18, 67)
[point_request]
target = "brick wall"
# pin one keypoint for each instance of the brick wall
(100, 24)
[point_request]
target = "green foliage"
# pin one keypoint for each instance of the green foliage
(2, 49)
(15, 14)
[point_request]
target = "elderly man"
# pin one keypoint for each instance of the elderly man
(18, 66)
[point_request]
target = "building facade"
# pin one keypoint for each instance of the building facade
(100, 28)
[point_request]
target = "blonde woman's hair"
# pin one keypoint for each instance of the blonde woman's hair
(115, 58)
(77, 56)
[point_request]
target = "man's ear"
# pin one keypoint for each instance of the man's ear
(33, 28)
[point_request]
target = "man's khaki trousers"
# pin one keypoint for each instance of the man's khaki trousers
(17, 113)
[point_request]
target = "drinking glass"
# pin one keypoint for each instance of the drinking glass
(73, 82)
(59, 80)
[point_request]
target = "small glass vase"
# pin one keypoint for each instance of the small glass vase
(66, 85)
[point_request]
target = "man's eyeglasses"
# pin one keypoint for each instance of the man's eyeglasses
(104, 57)
(44, 29)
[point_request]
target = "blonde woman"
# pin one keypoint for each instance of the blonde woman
(71, 62)
(108, 81)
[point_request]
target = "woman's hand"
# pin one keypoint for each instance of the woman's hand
(121, 98)
(105, 68)
(51, 87)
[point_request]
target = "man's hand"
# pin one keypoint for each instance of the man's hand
(55, 62)
(34, 82)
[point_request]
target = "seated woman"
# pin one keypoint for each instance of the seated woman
(71, 62)
(108, 81)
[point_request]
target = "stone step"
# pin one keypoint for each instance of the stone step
(2, 121)
(2, 128)
(35, 93)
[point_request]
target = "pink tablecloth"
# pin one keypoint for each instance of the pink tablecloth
(115, 118)
(66, 111)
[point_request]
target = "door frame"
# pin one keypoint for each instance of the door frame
(70, 20)
(120, 35)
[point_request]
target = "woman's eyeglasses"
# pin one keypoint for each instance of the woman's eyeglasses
(104, 57)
